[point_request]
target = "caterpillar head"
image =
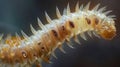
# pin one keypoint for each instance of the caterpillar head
(106, 28)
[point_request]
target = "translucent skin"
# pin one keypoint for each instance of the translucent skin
(42, 44)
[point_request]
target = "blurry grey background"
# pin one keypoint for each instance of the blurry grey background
(19, 14)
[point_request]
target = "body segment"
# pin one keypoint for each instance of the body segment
(42, 44)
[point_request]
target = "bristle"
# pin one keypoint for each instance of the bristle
(68, 9)
(114, 18)
(102, 9)
(18, 37)
(77, 7)
(103, 21)
(81, 7)
(47, 17)
(107, 12)
(1, 36)
(76, 39)
(38, 47)
(65, 11)
(53, 54)
(94, 33)
(40, 24)
(24, 35)
(58, 12)
(96, 7)
(111, 16)
(32, 29)
(86, 8)
(69, 43)
(83, 36)
(89, 33)
(61, 49)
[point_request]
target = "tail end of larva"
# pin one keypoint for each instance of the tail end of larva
(106, 29)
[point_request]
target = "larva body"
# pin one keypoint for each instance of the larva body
(41, 45)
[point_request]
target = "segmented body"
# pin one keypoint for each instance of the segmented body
(41, 45)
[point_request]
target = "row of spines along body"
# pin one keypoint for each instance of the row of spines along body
(43, 42)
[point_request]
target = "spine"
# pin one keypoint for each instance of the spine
(42, 44)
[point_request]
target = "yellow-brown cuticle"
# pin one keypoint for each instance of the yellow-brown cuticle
(63, 28)
(55, 33)
(24, 54)
(88, 21)
(39, 43)
(96, 20)
(108, 34)
(71, 24)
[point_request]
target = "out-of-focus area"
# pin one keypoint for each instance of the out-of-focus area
(19, 14)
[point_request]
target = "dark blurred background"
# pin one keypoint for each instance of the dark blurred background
(19, 14)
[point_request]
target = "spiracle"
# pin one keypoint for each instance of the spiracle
(25, 51)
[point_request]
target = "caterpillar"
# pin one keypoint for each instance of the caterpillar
(27, 50)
